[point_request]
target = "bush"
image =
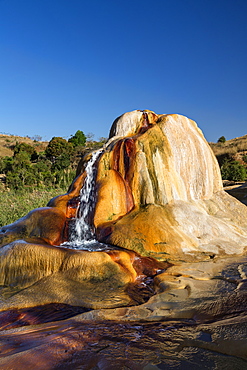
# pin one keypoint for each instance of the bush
(233, 171)
(245, 158)
(26, 148)
(6, 164)
(222, 139)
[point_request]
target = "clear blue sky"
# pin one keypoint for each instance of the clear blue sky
(73, 64)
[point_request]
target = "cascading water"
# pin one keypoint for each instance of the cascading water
(82, 234)
(83, 231)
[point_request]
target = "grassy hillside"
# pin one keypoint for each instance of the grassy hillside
(234, 149)
(30, 178)
(7, 143)
(14, 205)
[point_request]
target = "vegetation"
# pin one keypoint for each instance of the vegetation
(233, 171)
(222, 139)
(230, 147)
(33, 172)
(57, 147)
(14, 205)
(52, 168)
(78, 139)
(232, 157)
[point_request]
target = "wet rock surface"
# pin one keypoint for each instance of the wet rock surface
(195, 317)
(166, 345)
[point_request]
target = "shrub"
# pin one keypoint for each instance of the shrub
(6, 164)
(26, 148)
(222, 139)
(245, 158)
(233, 171)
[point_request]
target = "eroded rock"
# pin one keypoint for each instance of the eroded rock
(158, 192)
(159, 199)
(173, 205)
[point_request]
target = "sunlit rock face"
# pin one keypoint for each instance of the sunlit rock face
(159, 191)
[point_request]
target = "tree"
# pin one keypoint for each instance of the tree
(6, 164)
(58, 146)
(21, 160)
(61, 162)
(29, 170)
(13, 181)
(90, 136)
(102, 140)
(36, 138)
(78, 139)
(222, 139)
(23, 147)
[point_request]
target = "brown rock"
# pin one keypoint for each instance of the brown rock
(170, 181)
(45, 225)
(159, 194)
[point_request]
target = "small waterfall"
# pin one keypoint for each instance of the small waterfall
(83, 231)
(82, 235)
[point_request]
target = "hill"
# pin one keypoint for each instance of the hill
(234, 149)
(7, 143)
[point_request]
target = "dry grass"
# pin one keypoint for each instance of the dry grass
(233, 149)
(7, 143)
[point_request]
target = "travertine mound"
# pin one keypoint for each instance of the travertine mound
(160, 191)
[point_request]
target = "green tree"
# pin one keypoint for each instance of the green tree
(42, 171)
(61, 162)
(222, 139)
(58, 146)
(13, 181)
(6, 164)
(78, 139)
(23, 147)
(21, 160)
(20, 171)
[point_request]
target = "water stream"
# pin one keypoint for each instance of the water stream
(82, 234)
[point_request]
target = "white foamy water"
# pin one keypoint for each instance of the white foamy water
(82, 236)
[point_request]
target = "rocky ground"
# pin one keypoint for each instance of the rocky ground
(195, 318)
(238, 191)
